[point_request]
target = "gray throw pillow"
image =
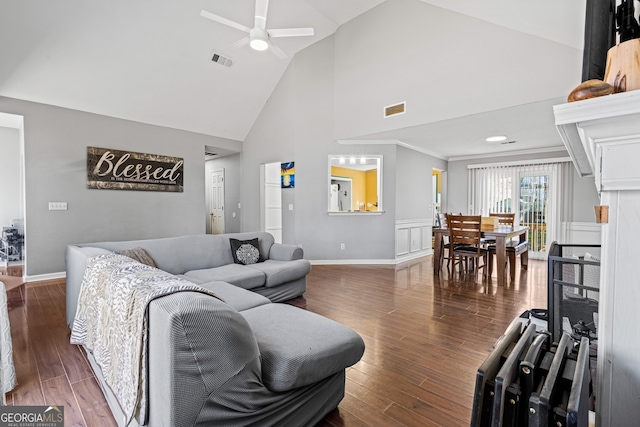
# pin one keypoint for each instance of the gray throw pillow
(140, 255)
(245, 251)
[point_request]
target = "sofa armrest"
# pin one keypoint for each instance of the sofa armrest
(197, 346)
(76, 262)
(282, 252)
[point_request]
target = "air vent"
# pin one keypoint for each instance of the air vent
(394, 110)
(225, 61)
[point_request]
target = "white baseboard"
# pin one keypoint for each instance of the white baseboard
(415, 255)
(48, 276)
(353, 262)
(396, 261)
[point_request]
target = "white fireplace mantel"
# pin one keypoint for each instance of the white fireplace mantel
(602, 136)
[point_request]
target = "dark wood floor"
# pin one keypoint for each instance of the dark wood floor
(425, 337)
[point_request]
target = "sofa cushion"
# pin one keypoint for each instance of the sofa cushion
(236, 274)
(245, 251)
(279, 272)
(236, 297)
(320, 346)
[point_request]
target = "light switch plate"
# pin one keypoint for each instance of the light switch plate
(57, 206)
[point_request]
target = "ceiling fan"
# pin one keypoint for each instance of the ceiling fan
(259, 38)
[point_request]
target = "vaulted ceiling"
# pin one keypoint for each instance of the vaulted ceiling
(149, 61)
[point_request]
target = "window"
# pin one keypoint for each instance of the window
(530, 191)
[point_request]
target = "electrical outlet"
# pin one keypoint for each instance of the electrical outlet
(342, 246)
(57, 206)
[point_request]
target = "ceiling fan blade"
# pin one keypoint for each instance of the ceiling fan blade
(243, 41)
(224, 21)
(261, 14)
(290, 32)
(277, 51)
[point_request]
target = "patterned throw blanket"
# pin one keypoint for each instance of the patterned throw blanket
(111, 322)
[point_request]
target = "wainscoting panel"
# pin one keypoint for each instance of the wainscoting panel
(413, 239)
(581, 233)
(402, 241)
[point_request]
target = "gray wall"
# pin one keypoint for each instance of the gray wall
(297, 125)
(583, 194)
(442, 63)
(232, 171)
(414, 192)
(56, 141)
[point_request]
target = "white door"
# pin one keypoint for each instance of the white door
(272, 203)
(216, 209)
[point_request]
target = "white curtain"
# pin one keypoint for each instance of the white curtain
(504, 188)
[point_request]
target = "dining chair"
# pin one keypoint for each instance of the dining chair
(504, 218)
(465, 235)
(445, 243)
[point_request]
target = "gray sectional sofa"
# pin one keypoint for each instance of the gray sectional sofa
(243, 359)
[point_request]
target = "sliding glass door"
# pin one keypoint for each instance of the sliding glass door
(533, 192)
(532, 212)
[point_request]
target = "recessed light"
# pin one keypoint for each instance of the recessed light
(496, 138)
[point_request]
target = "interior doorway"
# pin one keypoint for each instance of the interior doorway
(216, 208)
(436, 192)
(341, 197)
(271, 200)
(12, 208)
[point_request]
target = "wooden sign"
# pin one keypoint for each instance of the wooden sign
(127, 170)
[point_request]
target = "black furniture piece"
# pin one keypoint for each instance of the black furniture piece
(573, 288)
(540, 372)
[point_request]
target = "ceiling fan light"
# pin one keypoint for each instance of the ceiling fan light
(258, 43)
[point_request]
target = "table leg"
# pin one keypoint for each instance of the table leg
(437, 253)
(501, 259)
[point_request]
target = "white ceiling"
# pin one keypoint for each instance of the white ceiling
(148, 61)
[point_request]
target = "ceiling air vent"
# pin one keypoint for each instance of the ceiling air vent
(221, 59)
(394, 110)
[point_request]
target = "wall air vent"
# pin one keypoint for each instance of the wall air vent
(394, 110)
(225, 61)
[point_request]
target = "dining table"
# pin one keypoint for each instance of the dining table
(502, 234)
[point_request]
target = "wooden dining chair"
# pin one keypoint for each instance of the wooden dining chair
(445, 244)
(464, 234)
(504, 218)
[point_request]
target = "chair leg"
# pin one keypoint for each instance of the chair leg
(524, 259)
(487, 264)
(490, 256)
(512, 265)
